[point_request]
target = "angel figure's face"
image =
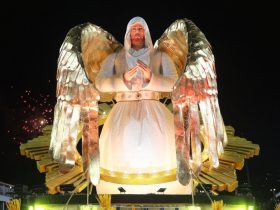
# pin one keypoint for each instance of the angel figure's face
(137, 36)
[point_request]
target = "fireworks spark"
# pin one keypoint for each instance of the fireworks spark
(32, 113)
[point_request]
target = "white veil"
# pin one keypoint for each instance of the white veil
(143, 54)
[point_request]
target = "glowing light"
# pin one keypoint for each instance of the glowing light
(167, 171)
(238, 207)
(89, 207)
(125, 174)
(193, 208)
(39, 208)
(250, 207)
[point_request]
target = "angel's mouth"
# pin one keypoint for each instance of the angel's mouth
(138, 38)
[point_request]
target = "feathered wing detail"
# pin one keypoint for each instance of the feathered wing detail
(96, 45)
(77, 97)
(89, 117)
(174, 42)
(196, 109)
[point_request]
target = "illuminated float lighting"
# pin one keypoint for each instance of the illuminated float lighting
(89, 207)
(37, 208)
(193, 208)
(96, 207)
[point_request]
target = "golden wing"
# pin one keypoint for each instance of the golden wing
(174, 42)
(196, 109)
(96, 45)
(80, 58)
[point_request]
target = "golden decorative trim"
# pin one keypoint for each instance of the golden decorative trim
(138, 178)
(221, 178)
(137, 95)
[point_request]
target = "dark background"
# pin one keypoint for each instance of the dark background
(244, 40)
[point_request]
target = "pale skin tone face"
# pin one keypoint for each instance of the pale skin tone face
(137, 38)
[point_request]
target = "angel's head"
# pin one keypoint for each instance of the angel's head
(137, 34)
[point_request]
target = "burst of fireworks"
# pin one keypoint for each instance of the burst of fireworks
(32, 113)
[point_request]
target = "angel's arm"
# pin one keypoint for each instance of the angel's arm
(108, 80)
(165, 80)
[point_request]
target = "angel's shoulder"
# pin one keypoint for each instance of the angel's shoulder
(120, 53)
(162, 56)
(110, 58)
(158, 53)
(114, 57)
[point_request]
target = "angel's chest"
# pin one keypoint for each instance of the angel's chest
(121, 65)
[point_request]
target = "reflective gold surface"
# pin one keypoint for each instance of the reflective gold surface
(221, 178)
(138, 178)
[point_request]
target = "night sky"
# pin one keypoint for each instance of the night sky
(244, 43)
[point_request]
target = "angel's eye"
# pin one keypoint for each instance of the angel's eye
(137, 29)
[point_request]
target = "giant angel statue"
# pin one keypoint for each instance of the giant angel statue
(143, 145)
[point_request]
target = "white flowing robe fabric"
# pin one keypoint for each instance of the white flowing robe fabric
(138, 136)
